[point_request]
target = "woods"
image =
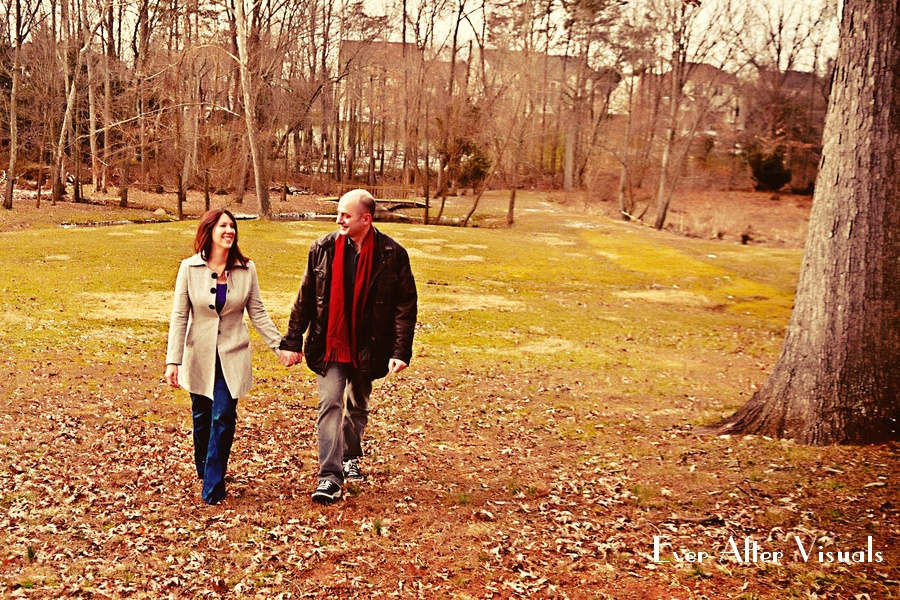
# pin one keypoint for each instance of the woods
(440, 98)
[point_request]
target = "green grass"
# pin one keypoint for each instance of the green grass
(608, 298)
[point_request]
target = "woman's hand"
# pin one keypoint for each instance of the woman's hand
(289, 359)
(172, 375)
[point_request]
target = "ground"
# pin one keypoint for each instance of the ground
(546, 441)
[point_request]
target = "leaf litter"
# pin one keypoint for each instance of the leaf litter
(105, 504)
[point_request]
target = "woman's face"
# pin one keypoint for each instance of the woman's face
(224, 233)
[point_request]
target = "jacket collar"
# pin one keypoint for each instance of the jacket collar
(197, 261)
(381, 240)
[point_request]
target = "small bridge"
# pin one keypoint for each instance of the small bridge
(389, 198)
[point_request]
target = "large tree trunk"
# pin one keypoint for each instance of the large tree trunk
(838, 377)
(58, 190)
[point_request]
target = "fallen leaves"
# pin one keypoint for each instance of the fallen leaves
(472, 492)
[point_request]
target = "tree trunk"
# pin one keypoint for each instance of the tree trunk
(662, 190)
(625, 205)
(92, 124)
(13, 124)
(124, 182)
(371, 140)
(569, 164)
(181, 196)
(241, 185)
(406, 100)
(40, 170)
(109, 53)
(206, 189)
(351, 139)
(57, 189)
(262, 189)
(838, 377)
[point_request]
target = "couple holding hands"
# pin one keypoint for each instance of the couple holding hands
(356, 306)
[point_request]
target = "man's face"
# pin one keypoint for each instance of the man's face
(352, 219)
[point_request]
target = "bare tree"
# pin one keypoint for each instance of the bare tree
(22, 20)
(691, 42)
(785, 44)
(82, 35)
(248, 93)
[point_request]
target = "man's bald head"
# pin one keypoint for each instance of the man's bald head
(363, 198)
(355, 212)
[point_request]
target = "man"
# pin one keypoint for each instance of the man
(357, 306)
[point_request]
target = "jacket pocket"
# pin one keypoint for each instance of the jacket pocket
(322, 286)
(387, 289)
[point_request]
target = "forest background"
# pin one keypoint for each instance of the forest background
(423, 99)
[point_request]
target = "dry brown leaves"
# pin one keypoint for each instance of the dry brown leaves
(472, 493)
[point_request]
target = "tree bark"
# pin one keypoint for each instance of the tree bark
(625, 208)
(371, 141)
(92, 124)
(838, 377)
(662, 190)
(13, 117)
(108, 54)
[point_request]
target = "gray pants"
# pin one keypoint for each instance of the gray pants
(343, 414)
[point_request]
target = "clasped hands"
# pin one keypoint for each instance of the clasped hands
(288, 358)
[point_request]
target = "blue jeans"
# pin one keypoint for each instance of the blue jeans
(343, 414)
(214, 424)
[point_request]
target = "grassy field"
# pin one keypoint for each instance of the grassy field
(544, 436)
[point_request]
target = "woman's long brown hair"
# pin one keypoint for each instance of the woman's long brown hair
(203, 240)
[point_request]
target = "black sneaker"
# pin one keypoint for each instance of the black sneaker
(326, 492)
(351, 470)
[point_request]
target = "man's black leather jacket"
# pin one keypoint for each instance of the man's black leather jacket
(388, 324)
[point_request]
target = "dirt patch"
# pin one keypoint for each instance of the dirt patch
(467, 246)
(744, 217)
(464, 301)
(142, 306)
(552, 240)
(668, 297)
(546, 346)
(422, 255)
(157, 306)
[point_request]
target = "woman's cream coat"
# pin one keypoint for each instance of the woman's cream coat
(196, 329)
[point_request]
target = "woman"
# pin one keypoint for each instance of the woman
(209, 344)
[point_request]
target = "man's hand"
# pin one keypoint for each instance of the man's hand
(396, 365)
(289, 359)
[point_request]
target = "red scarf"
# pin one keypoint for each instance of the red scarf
(340, 340)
